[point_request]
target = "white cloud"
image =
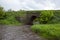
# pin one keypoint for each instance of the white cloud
(49, 5)
(29, 4)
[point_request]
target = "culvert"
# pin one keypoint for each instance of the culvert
(30, 20)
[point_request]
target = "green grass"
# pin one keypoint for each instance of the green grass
(10, 21)
(50, 31)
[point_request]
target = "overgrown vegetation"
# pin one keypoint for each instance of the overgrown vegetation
(46, 16)
(8, 17)
(50, 31)
(2, 13)
(48, 24)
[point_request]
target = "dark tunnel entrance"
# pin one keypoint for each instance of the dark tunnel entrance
(32, 18)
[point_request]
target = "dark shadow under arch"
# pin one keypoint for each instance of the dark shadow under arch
(32, 18)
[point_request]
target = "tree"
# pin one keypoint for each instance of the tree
(2, 13)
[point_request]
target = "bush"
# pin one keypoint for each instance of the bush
(56, 18)
(50, 31)
(2, 13)
(10, 21)
(10, 18)
(46, 16)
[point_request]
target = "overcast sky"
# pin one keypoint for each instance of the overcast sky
(30, 4)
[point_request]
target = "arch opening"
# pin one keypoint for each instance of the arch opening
(32, 18)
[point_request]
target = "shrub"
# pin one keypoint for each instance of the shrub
(56, 18)
(46, 16)
(10, 21)
(10, 18)
(2, 13)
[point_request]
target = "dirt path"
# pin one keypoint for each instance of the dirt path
(18, 33)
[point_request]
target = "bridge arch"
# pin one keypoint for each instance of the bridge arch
(32, 18)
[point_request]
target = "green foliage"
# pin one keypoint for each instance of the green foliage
(56, 18)
(50, 31)
(21, 13)
(46, 16)
(2, 13)
(10, 18)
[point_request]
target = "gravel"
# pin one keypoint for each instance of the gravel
(18, 33)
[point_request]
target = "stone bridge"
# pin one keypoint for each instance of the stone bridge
(28, 17)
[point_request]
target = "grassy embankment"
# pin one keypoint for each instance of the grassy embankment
(49, 31)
